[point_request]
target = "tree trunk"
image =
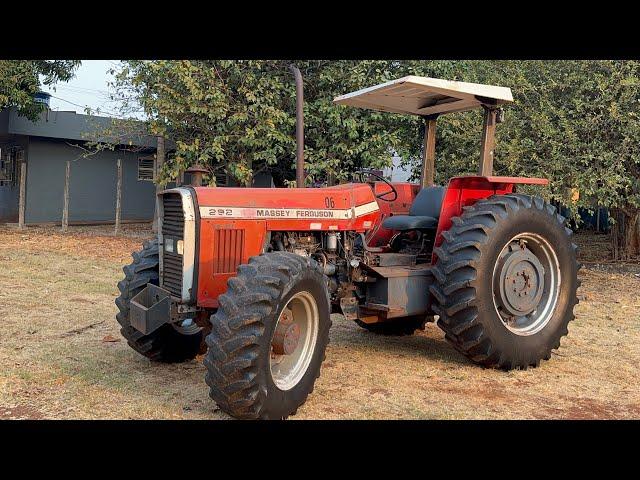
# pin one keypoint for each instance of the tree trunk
(625, 234)
(632, 238)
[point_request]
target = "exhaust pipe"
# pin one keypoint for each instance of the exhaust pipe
(299, 128)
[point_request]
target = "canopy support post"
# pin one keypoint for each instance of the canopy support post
(485, 169)
(429, 151)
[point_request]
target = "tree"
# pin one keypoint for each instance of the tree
(574, 122)
(238, 117)
(20, 80)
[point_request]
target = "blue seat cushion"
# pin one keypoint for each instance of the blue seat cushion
(409, 222)
(423, 214)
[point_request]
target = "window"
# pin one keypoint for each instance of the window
(4, 177)
(9, 160)
(146, 169)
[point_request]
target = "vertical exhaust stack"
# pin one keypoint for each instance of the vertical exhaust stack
(299, 127)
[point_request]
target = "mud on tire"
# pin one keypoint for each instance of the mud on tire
(464, 292)
(238, 360)
(165, 344)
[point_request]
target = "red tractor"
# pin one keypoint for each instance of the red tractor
(251, 275)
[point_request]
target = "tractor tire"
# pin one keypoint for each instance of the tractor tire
(506, 281)
(401, 326)
(166, 344)
(249, 372)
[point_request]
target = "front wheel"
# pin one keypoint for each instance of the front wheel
(506, 280)
(170, 343)
(268, 337)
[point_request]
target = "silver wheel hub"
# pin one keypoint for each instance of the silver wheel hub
(526, 283)
(294, 340)
(521, 280)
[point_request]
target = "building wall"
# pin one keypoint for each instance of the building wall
(10, 194)
(92, 185)
(4, 122)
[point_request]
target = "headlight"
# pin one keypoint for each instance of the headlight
(168, 245)
(174, 246)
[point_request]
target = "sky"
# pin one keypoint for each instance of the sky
(89, 88)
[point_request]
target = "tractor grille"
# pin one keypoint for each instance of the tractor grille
(228, 246)
(173, 228)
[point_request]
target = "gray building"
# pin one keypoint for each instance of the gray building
(47, 144)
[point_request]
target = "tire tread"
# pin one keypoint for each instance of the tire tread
(455, 274)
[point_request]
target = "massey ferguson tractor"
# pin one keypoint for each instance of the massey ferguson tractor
(251, 275)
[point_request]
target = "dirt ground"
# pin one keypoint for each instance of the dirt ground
(62, 356)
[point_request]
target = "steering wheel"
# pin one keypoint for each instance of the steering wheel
(381, 196)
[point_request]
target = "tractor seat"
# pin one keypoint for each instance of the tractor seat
(423, 214)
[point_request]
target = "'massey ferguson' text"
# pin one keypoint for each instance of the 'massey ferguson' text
(295, 213)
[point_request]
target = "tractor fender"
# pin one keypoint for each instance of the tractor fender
(467, 190)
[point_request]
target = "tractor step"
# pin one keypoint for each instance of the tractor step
(395, 260)
(398, 291)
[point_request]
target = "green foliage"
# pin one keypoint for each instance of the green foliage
(21, 79)
(238, 117)
(574, 122)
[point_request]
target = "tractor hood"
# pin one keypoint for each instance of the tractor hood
(235, 223)
(340, 203)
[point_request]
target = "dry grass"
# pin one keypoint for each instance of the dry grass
(62, 356)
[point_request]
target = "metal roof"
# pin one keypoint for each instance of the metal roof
(425, 96)
(75, 126)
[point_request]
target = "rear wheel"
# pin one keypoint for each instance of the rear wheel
(506, 281)
(268, 337)
(170, 343)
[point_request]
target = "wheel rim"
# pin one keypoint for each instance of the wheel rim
(526, 283)
(294, 340)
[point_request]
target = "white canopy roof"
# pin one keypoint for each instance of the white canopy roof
(425, 96)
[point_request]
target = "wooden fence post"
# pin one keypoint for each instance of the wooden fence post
(23, 187)
(159, 162)
(118, 196)
(65, 204)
